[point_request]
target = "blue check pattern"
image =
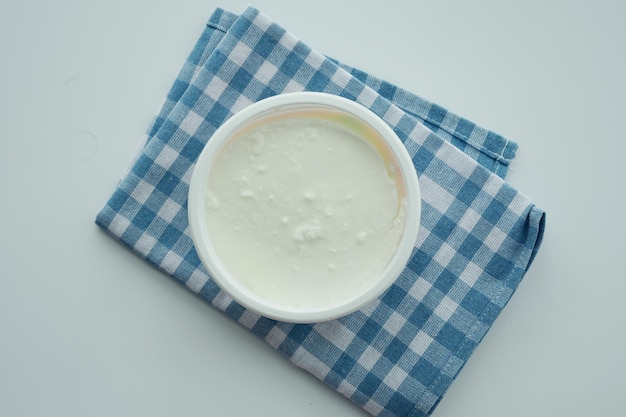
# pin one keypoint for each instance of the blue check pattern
(478, 235)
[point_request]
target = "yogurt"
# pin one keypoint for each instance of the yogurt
(303, 211)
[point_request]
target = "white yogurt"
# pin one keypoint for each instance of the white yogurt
(303, 211)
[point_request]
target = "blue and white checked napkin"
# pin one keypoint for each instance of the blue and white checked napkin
(478, 235)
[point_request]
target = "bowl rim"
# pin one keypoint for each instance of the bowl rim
(205, 249)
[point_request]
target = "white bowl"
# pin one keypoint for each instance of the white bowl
(360, 121)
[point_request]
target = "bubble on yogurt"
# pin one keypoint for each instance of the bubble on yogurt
(246, 193)
(361, 237)
(211, 202)
(307, 233)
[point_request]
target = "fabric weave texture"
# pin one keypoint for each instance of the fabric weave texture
(478, 235)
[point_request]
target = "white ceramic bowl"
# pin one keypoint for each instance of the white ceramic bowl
(386, 143)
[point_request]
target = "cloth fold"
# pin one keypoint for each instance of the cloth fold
(478, 235)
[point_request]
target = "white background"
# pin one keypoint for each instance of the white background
(88, 329)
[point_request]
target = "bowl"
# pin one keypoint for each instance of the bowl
(304, 207)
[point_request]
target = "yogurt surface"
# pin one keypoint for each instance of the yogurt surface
(303, 211)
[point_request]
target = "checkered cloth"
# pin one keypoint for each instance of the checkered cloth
(477, 238)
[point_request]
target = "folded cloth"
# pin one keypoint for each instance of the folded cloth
(478, 236)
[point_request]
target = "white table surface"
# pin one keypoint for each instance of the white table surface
(89, 329)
